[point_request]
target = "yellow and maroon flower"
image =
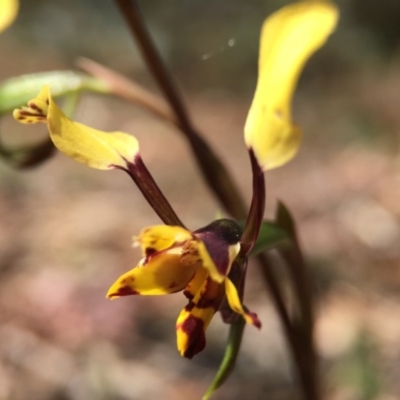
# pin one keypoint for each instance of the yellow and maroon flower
(175, 259)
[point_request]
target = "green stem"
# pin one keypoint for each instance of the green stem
(230, 356)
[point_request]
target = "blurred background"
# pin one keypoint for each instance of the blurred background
(65, 231)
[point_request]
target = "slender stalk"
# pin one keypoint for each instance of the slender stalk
(151, 192)
(302, 350)
(301, 286)
(231, 352)
(256, 213)
(294, 259)
(128, 89)
(214, 172)
(133, 17)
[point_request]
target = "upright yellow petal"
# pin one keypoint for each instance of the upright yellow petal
(288, 39)
(8, 13)
(97, 149)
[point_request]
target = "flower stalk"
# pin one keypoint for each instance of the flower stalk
(213, 170)
(139, 173)
(257, 207)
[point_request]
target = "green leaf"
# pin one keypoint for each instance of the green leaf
(29, 155)
(271, 235)
(18, 91)
(230, 356)
(285, 220)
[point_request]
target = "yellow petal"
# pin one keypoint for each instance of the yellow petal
(195, 283)
(195, 318)
(161, 237)
(288, 38)
(89, 146)
(236, 305)
(219, 262)
(8, 13)
(162, 274)
(209, 264)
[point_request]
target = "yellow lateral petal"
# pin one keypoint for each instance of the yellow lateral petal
(163, 274)
(89, 146)
(8, 13)
(161, 237)
(288, 38)
(236, 305)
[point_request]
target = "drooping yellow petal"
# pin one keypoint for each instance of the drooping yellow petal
(209, 264)
(219, 262)
(288, 38)
(195, 283)
(195, 318)
(236, 305)
(162, 274)
(161, 237)
(89, 146)
(8, 13)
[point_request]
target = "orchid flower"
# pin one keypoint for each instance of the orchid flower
(200, 262)
(173, 257)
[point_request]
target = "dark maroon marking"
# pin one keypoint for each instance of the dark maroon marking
(47, 101)
(125, 281)
(204, 302)
(123, 291)
(172, 285)
(20, 118)
(35, 107)
(150, 251)
(254, 317)
(218, 249)
(31, 114)
(194, 328)
(190, 306)
(25, 113)
(188, 295)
